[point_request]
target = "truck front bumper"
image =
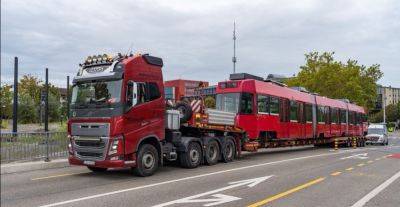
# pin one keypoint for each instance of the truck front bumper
(103, 163)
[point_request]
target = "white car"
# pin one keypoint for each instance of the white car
(377, 134)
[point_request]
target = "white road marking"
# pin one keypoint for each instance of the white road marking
(376, 191)
(219, 198)
(195, 176)
(361, 156)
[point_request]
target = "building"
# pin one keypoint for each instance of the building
(176, 89)
(388, 95)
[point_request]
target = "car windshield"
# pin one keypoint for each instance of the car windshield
(375, 131)
(228, 102)
(99, 93)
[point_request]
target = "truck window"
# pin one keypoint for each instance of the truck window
(141, 93)
(274, 105)
(154, 92)
(246, 103)
(263, 104)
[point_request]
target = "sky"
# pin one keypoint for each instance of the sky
(194, 38)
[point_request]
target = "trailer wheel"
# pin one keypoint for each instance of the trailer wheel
(185, 111)
(212, 153)
(229, 151)
(96, 169)
(192, 158)
(147, 161)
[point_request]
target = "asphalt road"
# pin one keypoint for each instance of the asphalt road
(304, 176)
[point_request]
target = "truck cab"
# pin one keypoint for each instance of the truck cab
(117, 110)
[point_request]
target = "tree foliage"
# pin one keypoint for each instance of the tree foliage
(6, 97)
(392, 114)
(30, 89)
(209, 102)
(328, 77)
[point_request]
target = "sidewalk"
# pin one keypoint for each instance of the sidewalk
(30, 166)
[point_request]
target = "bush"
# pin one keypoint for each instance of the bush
(27, 110)
(209, 102)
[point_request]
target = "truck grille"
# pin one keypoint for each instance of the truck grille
(91, 148)
(90, 154)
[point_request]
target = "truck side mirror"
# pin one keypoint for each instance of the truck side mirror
(131, 94)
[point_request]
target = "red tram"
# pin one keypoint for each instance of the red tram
(269, 110)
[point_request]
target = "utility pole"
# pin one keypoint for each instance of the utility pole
(46, 107)
(15, 104)
(384, 108)
(234, 47)
(68, 97)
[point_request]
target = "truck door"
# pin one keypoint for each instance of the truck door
(143, 116)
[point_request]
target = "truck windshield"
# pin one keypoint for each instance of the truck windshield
(375, 131)
(99, 93)
(228, 102)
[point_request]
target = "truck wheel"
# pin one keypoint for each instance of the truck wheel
(185, 111)
(192, 158)
(229, 151)
(96, 169)
(212, 152)
(147, 161)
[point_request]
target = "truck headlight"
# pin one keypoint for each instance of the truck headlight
(115, 144)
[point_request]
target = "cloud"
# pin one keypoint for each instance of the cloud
(195, 37)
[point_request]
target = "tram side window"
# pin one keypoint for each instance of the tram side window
(246, 104)
(327, 115)
(293, 110)
(308, 112)
(334, 115)
(263, 104)
(321, 114)
(343, 116)
(274, 105)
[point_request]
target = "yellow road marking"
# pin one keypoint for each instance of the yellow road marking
(56, 176)
(370, 161)
(350, 168)
(336, 173)
(283, 194)
(378, 159)
(361, 164)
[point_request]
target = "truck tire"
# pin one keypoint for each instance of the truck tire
(229, 151)
(192, 158)
(212, 153)
(96, 169)
(185, 111)
(147, 161)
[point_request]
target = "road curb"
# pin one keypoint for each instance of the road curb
(31, 166)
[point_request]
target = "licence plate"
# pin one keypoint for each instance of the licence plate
(87, 162)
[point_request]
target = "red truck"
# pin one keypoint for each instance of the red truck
(119, 118)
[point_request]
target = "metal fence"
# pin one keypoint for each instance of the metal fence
(28, 146)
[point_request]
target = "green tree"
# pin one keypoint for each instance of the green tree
(335, 79)
(209, 102)
(27, 109)
(392, 114)
(6, 97)
(31, 86)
